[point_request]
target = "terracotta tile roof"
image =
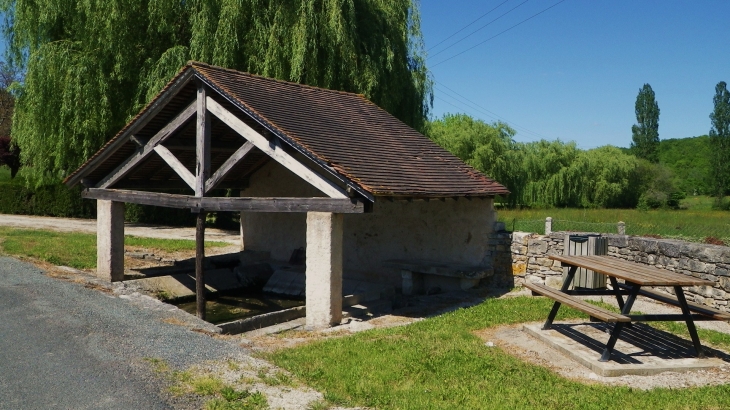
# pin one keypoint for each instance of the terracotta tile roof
(344, 131)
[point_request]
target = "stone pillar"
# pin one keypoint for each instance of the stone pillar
(548, 225)
(110, 240)
(324, 270)
(621, 228)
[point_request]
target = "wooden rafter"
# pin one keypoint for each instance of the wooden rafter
(335, 205)
(140, 122)
(227, 166)
(125, 167)
(176, 165)
(328, 187)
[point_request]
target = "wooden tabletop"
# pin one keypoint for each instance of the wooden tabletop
(638, 273)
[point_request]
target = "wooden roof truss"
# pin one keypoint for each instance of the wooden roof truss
(202, 181)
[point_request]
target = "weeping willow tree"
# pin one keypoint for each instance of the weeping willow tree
(90, 65)
(542, 173)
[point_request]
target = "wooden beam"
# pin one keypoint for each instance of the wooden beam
(176, 165)
(223, 148)
(202, 141)
(125, 167)
(334, 205)
(328, 187)
(199, 259)
(141, 121)
(227, 166)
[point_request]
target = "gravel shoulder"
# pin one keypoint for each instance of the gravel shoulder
(89, 226)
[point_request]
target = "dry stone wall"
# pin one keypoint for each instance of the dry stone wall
(530, 261)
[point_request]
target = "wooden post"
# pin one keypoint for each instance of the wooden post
(199, 258)
(202, 142)
(202, 172)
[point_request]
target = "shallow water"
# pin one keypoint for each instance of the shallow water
(234, 307)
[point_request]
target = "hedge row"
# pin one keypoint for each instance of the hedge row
(61, 201)
(50, 200)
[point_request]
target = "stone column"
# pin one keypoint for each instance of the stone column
(110, 240)
(324, 269)
(548, 225)
(621, 228)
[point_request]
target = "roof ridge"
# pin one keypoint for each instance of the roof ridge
(193, 63)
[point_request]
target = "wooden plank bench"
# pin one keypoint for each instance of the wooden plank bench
(704, 310)
(578, 304)
(412, 272)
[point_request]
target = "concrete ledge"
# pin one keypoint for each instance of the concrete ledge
(265, 320)
(641, 350)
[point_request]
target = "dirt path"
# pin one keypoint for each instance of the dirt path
(89, 225)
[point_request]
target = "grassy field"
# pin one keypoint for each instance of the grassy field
(695, 223)
(77, 250)
(439, 363)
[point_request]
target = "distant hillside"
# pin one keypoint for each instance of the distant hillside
(689, 158)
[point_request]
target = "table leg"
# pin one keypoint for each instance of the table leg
(616, 331)
(619, 298)
(688, 319)
(556, 306)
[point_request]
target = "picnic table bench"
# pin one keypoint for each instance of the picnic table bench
(412, 272)
(634, 276)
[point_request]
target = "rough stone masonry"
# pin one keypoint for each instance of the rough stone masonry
(530, 261)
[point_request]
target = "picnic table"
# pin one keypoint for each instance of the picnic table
(635, 277)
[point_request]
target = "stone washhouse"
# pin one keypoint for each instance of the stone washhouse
(315, 169)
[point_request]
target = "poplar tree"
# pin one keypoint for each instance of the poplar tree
(91, 65)
(645, 134)
(720, 140)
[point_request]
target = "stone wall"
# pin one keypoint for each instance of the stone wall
(711, 262)
(457, 231)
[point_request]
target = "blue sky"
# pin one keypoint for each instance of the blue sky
(573, 72)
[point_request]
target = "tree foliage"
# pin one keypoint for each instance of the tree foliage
(690, 161)
(92, 64)
(542, 173)
(9, 151)
(720, 140)
(645, 134)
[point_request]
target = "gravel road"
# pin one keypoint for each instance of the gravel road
(68, 347)
(89, 226)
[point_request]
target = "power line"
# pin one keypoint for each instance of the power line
(480, 28)
(465, 27)
(497, 35)
(489, 113)
(470, 109)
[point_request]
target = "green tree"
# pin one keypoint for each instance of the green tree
(542, 173)
(487, 147)
(91, 65)
(720, 139)
(645, 134)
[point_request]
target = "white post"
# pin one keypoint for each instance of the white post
(548, 225)
(110, 240)
(621, 228)
(324, 270)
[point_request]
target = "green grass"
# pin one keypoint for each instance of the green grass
(77, 250)
(219, 394)
(439, 364)
(695, 223)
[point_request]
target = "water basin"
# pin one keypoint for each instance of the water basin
(226, 308)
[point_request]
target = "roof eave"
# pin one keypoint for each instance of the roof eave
(133, 126)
